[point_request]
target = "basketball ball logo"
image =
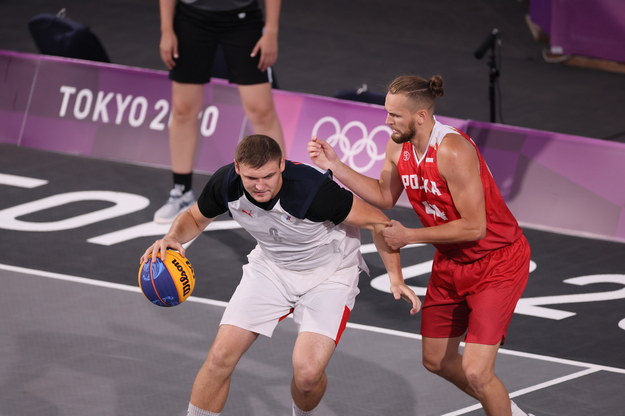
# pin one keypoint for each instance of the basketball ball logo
(167, 282)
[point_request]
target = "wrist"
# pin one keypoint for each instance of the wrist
(270, 30)
(336, 167)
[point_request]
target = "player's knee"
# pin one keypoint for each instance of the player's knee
(478, 378)
(220, 359)
(433, 365)
(307, 377)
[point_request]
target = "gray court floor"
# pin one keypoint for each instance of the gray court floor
(75, 346)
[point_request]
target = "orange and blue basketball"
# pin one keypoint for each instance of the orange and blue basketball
(167, 282)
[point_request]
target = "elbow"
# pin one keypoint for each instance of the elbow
(385, 204)
(478, 233)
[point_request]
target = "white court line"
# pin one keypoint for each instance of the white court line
(21, 181)
(529, 389)
(590, 368)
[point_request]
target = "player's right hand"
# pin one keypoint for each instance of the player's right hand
(161, 246)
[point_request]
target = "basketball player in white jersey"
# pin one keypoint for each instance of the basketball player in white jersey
(307, 261)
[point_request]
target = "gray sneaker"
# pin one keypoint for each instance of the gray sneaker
(176, 203)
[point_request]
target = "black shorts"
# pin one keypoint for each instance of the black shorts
(199, 35)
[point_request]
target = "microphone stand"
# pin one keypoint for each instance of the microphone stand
(493, 75)
(490, 44)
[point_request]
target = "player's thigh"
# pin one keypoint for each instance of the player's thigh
(258, 304)
(325, 309)
(438, 351)
(312, 353)
(493, 306)
(445, 312)
(479, 359)
(231, 343)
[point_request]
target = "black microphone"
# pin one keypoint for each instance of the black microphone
(488, 43)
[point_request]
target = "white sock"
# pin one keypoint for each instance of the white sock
(196, 411)
(299, 412)
(516, 411)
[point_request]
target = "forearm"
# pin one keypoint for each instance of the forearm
(457, 231)
(167, 8)
(365, 187)
(185, 228)
(391, 258)
(272, 16)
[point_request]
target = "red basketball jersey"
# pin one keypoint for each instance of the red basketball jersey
(429, 196)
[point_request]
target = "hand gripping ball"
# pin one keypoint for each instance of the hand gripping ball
(167, 282)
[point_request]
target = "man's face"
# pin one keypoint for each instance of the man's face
(262, 183)
(400, 118)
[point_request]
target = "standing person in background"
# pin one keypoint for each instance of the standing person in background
(191, 31)
(481, 264)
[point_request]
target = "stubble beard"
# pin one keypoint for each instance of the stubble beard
(400, 138)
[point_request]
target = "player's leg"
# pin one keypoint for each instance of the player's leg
(444, 321)
(478, 365)
(212, 382)
(257, 305)
(322, 314)
(472, 372)
(502, 276)
(311, 355)
(259, 107)
(441, 357)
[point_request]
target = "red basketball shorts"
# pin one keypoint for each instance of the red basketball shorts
(477, 298)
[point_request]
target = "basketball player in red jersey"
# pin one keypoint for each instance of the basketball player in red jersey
(481, 265)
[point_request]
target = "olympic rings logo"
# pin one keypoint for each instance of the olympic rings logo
(363, 141)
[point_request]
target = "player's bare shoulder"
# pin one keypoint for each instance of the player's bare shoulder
(457, 157)
(454, 146)
(393, 150)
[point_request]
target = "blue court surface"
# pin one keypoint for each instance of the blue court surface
(79, 338)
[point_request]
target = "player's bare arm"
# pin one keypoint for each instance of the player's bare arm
(459, 165)
(188, 225)
(382, 193)
(363, 215)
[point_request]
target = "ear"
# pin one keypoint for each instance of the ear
(236, 167)
(282, 165)
(421, 116)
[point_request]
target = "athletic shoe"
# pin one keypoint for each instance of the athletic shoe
(176, 203)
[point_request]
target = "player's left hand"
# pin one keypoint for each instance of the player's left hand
(402, 291)
(395, 235)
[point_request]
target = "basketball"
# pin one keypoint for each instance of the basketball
(167, 282)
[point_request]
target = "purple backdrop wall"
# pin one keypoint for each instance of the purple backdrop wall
(593, 28)
(555, 181)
